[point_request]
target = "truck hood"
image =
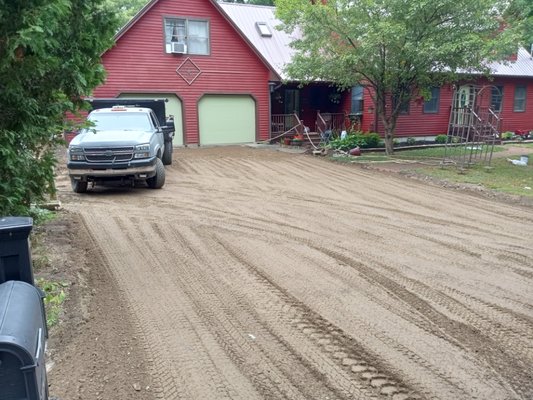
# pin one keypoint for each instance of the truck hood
(110, 138)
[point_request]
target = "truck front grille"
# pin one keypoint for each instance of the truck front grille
(108, 155)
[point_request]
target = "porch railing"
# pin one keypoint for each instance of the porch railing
(334, 122)
(285, 125)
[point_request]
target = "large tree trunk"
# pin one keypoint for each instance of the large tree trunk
(389, 142)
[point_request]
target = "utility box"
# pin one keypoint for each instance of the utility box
(22, 343)
(15, 255)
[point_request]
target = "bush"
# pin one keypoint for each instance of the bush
(441, 139)
(410, 141)
(507, 135)
(355, 139)
(372, 139)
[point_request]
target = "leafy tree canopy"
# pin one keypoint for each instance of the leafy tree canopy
(125, 9)
(49, 58)
(397, 48)
(520, 13)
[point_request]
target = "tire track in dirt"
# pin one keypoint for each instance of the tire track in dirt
(351, 284)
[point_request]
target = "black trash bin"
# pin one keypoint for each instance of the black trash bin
(22, 343)
(15, 254)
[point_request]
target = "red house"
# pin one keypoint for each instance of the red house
(508, 91)
(221, 67)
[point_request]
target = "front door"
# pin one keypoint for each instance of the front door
(462, 104)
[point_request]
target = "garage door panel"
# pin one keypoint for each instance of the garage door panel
(227, 119)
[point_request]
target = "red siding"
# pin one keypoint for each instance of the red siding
(138, 63)
(418, 123)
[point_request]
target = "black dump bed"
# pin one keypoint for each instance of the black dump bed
(158, 105)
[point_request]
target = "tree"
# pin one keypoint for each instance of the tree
(125, 9)
(520, 14)
(398, 49)
(258, 2)
(49, 57)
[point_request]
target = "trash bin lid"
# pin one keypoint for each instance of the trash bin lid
(15, 224)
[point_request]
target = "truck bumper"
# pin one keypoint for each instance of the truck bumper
(84, 171)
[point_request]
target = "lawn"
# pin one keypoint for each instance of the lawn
(501, 176)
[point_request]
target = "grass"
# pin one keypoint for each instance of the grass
(502, 175)
(53, 301)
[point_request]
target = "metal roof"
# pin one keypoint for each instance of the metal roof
(275, 49)
(523, 66)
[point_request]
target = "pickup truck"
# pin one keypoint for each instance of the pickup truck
(125, 141)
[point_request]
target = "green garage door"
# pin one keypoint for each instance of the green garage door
(226, 119)
(172, 107)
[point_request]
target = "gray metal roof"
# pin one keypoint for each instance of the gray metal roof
(276, 48)
(278, 53)
(523, 66)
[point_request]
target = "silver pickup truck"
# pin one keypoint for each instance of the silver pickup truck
(123, 143)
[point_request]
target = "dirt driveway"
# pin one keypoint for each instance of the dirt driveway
(255, 274)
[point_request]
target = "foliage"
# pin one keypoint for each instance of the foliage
(49, 57)
(520, 14)
(125, 10)
(258, 2)
(441, 139)
(54, 297)
(355, 139)
(397, 49)
(507, 135)
(410, 141)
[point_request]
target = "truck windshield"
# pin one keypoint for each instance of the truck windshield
(120, 121)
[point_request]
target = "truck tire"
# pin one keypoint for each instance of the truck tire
(158, 180)
(167, 154)
(78, 186)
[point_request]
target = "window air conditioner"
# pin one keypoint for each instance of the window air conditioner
(178, 48)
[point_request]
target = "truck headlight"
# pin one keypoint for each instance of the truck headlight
(76, 153)
(142, 151)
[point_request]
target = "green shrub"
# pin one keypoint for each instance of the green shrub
(410, 141)
(507, 135)
(349, 142)
(441, 139)
(355, 139)
(372, 139)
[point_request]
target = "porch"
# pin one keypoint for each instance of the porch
(312, 114)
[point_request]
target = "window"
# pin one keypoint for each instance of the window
(520, 99)
(496, 98)
(431, 106)
(357, 100)
(194, 34)
(263, 29)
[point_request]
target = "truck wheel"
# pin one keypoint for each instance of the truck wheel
(78, 186)
(158, 180)
(167, 154)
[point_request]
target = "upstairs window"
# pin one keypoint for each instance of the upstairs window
(431, 106)
(520, 99)
(496, 98)
(186, 36)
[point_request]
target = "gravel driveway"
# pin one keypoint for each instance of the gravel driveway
(255, 274)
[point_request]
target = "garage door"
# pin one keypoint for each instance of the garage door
(226, 119)
(172, 107)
